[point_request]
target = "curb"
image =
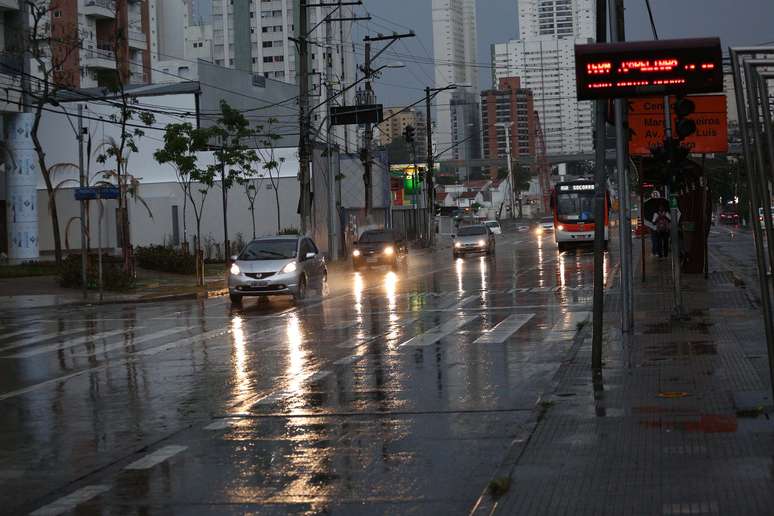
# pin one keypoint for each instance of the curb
(153, 299)
(487, 503)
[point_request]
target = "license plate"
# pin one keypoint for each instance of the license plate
(371, 259)
(258, 283)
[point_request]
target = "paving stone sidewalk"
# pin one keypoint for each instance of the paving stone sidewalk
(674, 424)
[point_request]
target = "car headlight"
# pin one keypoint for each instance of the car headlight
(389, 250)
(356, 252)
(457, 244)
(539, 230)
(235, 269)
(560, 227)
(291, 267)
(481, 243)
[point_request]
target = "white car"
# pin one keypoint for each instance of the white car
(494, 227)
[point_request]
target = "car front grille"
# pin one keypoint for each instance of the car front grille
(259, 275)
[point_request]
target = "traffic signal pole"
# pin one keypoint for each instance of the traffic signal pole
(624, 221)
(430, 167)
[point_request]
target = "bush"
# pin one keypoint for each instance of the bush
(31, 268)
(113, 276)
(165, 259)
(289, 231)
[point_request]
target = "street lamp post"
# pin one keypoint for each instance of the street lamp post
(511, 183)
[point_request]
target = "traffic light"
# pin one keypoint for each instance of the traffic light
(684, 127)
(408, 134)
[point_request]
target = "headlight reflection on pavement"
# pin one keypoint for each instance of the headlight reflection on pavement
(459, 267)
(562, 278)
(295, 371)
(239, 358)
(391, 291)
(541, 280)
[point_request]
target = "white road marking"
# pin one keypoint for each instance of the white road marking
(221, 424)
(344, 325)
(566, 326)
(504, 329)
(59, 346)
(5, 336)
(71, 501)
(41, 338)
(436, 333)
(134, 342)
(519, 290)
(318, 376)
(538, 290)
(188, 340)
(272, 398)
(467, 300)
(348, 360)
(157, 457)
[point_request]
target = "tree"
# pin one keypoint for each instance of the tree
(182, 145)
(271, 163)
(252, 187)
(49, 50)
(234, 158)
(520, 181)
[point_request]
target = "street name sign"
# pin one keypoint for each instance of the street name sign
(646, 124)
(353, 115)
(642, 68)
(90, 193)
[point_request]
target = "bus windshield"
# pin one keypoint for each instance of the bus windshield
(575, 207)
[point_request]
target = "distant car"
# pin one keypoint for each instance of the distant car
(379, 247)
(473, 239)
(545, 224)
(277, 265)
(730, 217)
(494, 226)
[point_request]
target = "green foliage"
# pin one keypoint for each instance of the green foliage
(165, 259)
(234, 156)
(113, 275)
(28, 269)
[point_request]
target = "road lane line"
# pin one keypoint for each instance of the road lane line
(188, 340)
(6, 336)
(134, 342)
(436, 333)
(348, 360)
(222, 424)
(71, 501)
(156, 458)
(504, 329)
(61, 346)
(41, 338)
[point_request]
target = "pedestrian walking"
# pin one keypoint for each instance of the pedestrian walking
(662, 222)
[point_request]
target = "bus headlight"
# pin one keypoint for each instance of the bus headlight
(356, 253)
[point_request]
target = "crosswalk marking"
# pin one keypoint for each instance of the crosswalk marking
(188, 340)
(436, 333)
(157, 457)
(40, 338)
(567, 325)
(348, 360)
(504, 329)
(71, 501)
(135, 342)
(58, 346)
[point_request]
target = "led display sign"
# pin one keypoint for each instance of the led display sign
(641, 68)
(577, 187)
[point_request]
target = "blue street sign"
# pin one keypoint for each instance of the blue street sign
(91, 193)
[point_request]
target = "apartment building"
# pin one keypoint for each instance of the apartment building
(465, 131)
(394, 127)
(510, 104)
(557, 18)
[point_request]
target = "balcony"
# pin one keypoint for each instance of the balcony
(103, 9)
(137, 40)
(9, 5)
(10, 93)
(101, 58)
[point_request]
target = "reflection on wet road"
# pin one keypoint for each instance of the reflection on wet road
(399, 392)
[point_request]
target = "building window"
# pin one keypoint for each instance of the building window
(267, 59)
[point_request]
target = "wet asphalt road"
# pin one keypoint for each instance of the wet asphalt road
(399, 392)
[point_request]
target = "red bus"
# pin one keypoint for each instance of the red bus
(572, 204)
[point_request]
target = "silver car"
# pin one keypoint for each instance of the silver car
(277, 265)
(473, 239)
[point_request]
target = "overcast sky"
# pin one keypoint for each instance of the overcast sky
(736, 22)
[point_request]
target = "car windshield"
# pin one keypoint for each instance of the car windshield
(575, 207)
(547, 220)
(492, 224)
(472, 230)
(270, 250)
(376, 237)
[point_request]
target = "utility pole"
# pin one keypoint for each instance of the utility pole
(369, 98)
(511, 179)
(82, 181)
(624, 220)
(600, 197)
(430, 168)
(304, 118)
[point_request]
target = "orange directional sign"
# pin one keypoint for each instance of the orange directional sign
(646, 124)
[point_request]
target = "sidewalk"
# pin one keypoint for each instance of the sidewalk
(673, 427)
(44, 291)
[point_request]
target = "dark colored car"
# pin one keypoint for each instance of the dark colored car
(729, 217)
(473, 239)
(379, 247)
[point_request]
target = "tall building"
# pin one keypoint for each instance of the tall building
(508, 104)
(454, 49)
(394, 127)
(179, 40)
(253, 36)
(557, 18)
(544, 59)
(546, 66)
(465, 129)
(102, 54)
